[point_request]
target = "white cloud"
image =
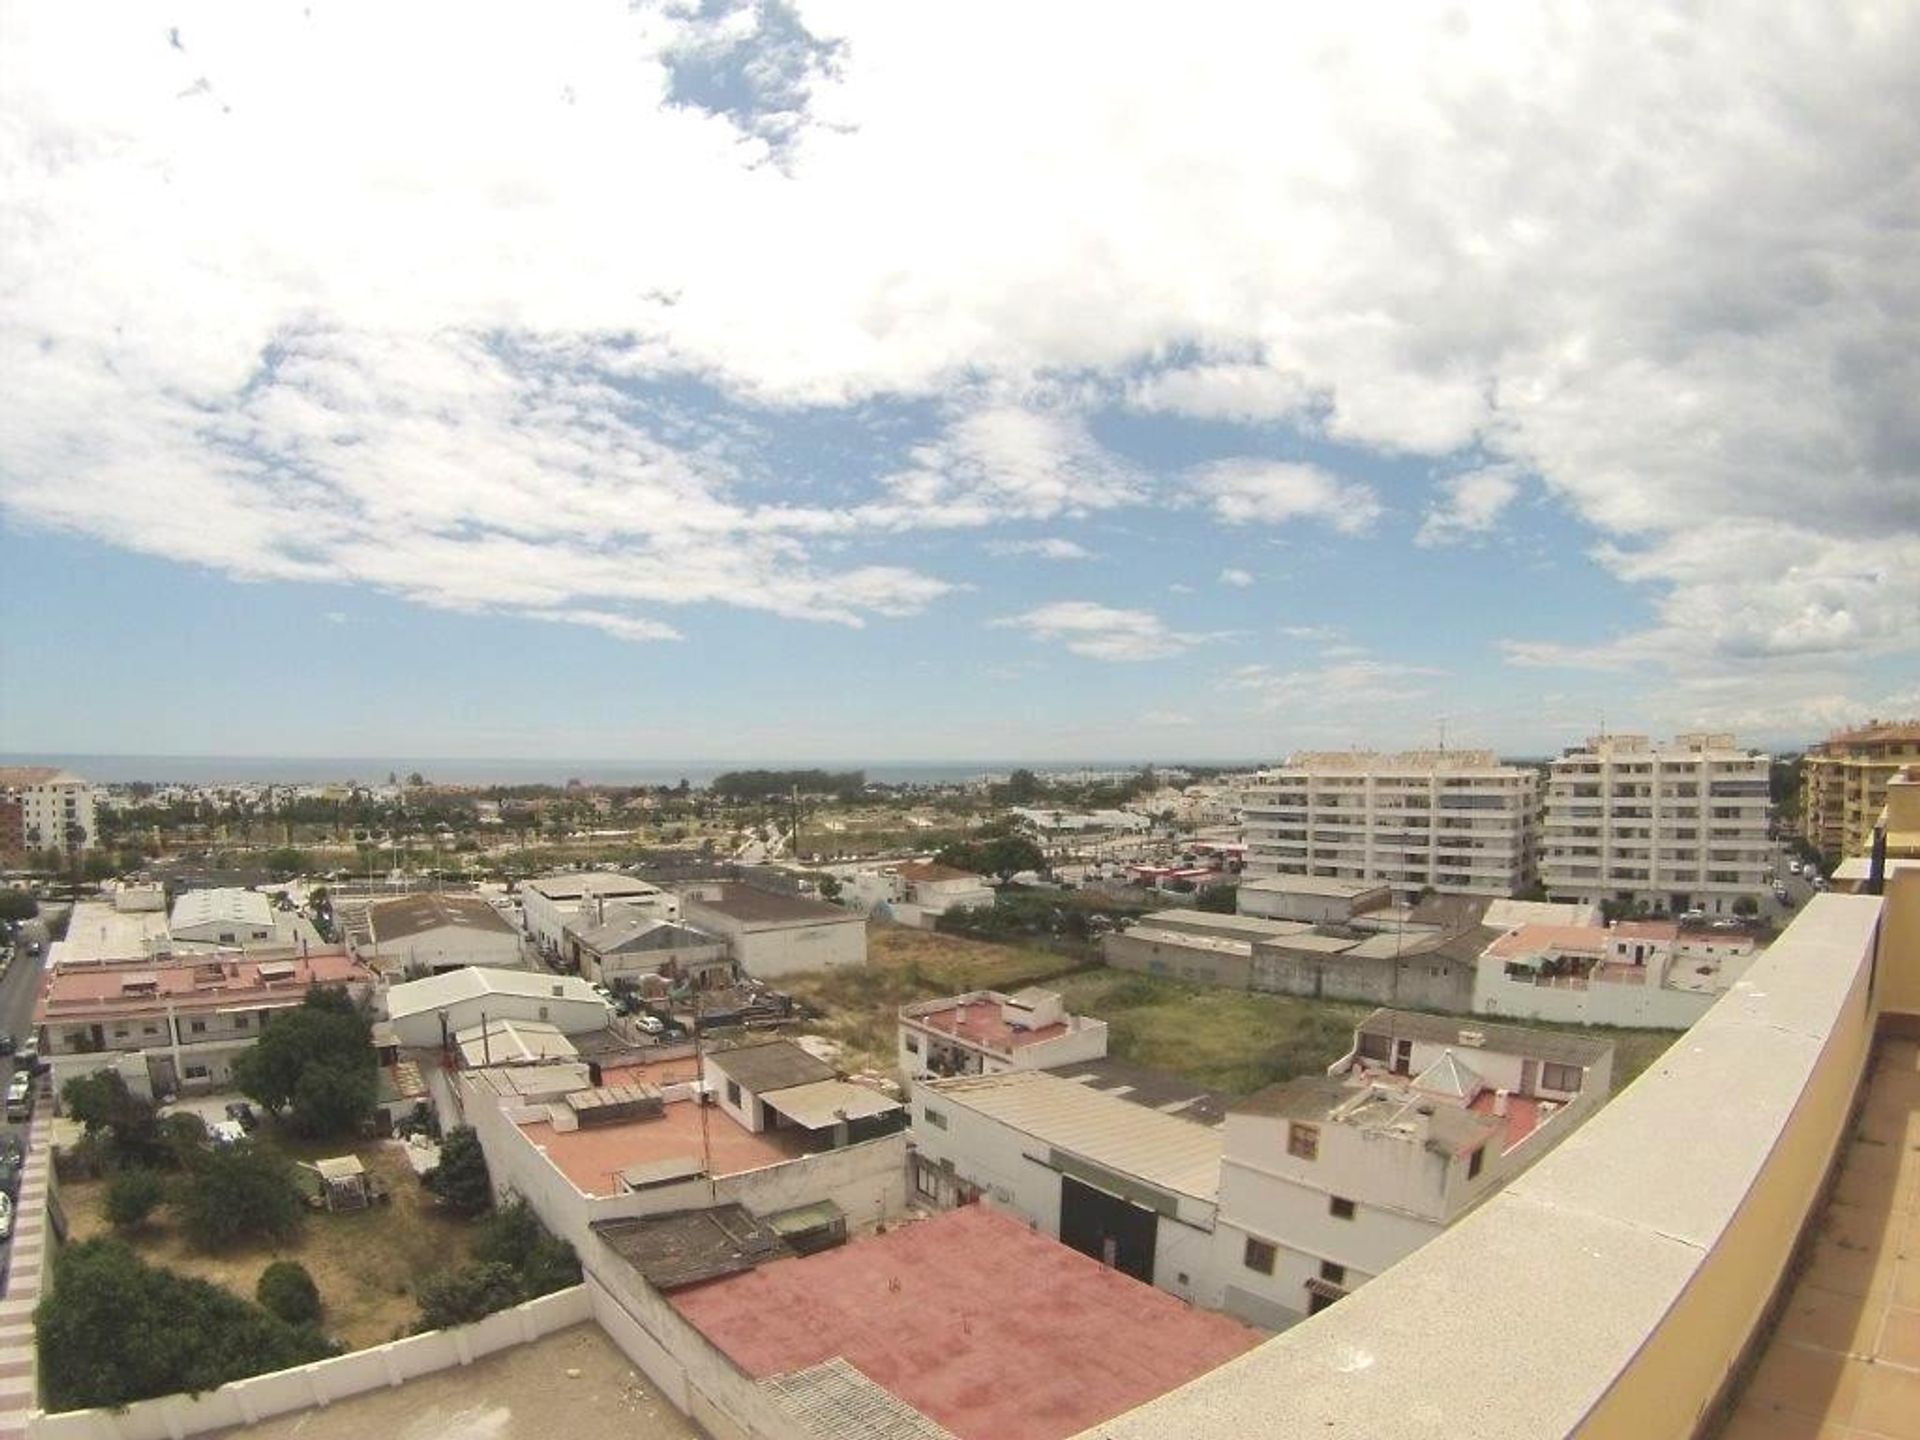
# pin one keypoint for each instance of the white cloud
(1334, 688)
(1653, 263)
(1469, 504)
(1271, 492)
(1101, 632)
(1165, 718)
(1051, 548)
(1239, 579)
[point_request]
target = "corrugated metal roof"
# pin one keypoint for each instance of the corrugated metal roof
(834, 1401)
(1159, 1149)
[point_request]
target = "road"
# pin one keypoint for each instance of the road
(19, 989)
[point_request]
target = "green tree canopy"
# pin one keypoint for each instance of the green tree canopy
(461, 1179)
(286, 1289)
(514, 1236)
(469, 1293)
(316, 1061)
(239, 1192)
(17, 904)
(115, 1329)
(133, 1195)
(104, 1105)
(286, 862)
(1003, 855)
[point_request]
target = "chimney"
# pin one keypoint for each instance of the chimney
(1500, 1098)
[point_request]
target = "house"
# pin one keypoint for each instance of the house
(984, 1032)
(174, 1025)
(432, 933)
(429, 1013)
(771, 935)
(632, 944)
(917, 891)
(553, 902)
(225, 916)
(1645, 973)
(776, 1085)
(1325, 1181)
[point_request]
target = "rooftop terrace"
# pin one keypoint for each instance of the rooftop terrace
(594, 1157)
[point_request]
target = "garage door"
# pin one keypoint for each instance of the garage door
(1111, 1230)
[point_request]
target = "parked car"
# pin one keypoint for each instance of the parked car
(652, 1024)
(241, 1113)
(6, 1044)
(1793, 867)
(27, 1057)
(19, 1096)
(6, 1217)
(1692, 917)
(9, 1175)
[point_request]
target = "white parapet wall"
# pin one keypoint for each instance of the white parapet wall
(307, 1387)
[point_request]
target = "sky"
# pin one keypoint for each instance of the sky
(871, 381)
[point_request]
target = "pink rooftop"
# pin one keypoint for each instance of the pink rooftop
(1532, 939)
(979, 1022)
(593, 1156)
(199, 982)
(977, 1321)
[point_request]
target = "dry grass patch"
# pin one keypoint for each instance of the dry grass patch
(366, 1264)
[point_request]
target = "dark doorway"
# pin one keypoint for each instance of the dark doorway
(1108, 1228)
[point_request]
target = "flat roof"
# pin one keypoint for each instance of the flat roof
(226, 906)
(595, 1157)
(974, 1319)
(1470, 1033)
(977, 1020)
(684, 1247)
(573, 885)
(1314, 885)
(96, 930)
(206, 983)
(1532, 939)
(1153, 1089)
(1159, 1149)
(753, 906)
(513, 1042)
(1244, 927)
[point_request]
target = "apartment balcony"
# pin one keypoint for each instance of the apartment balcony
(1751, 1277)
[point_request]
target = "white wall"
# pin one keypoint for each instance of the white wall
(306, 1387)
(448, 947)
(767, 954)
(1649, 1006)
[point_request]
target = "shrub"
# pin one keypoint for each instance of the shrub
(470, 1293)
(115, 1329)
(132, 1196)
(287, 1290)
(513, 1236)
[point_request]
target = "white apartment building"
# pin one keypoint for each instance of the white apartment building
(1456, 820)
(1681, 826)
(40, 806)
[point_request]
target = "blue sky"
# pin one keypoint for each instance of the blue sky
(740, 381)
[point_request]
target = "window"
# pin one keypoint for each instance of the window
(913, 1044)
(199, 1027)
(241, 1022)
(1260, 1255)
(733, 1093)
(935, 1118)
(1333, 1274)
(924, 1183)
(149, 1029)
(197, 1072)
(1560, 1077)
(1340, 1207)
(1475, 1161)
(1303, 1141)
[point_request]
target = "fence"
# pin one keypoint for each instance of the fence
(281, 1392)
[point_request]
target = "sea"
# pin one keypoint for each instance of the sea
(449, 770)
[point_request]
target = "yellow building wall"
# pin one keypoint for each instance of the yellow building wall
(1682, 1367)
(1900, 946)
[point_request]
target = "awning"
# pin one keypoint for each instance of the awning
(825, 1103)
(1326, 1289)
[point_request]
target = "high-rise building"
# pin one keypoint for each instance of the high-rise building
(55, 808)
(1456, 820)
(1681, 826)
(1843, 783)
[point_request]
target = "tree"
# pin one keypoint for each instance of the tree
(461, 1180)
(1219, 899)
(285, 862)
(133, 1195)
(829, 887)
(238, 1192)
(104, 1105)
(468, 1293)
(317, 1059)
(286, 1289)
(1746, 906)
(17, 905)
(115, 1329)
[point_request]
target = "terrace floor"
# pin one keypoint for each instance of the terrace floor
(1844, 1363)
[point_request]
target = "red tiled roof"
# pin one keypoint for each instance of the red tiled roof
(977, 1321)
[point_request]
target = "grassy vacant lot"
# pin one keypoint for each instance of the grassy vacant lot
(365, 1264)
(903, 966)
(1228, 1040)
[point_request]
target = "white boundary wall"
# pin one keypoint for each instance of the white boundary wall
(281, 1392)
